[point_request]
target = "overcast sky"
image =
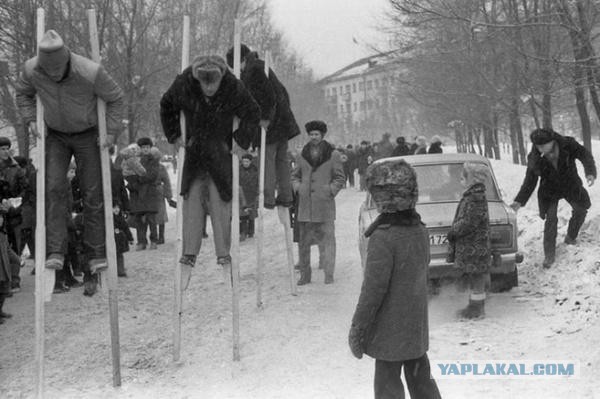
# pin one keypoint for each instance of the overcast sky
(322, 31)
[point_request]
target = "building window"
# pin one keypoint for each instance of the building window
(354, 107)
(362, 105)
(369, 85)
(353, 87)
(333, 91)
(341, 90)
(342, 108)
(348, 88)
(361, 86)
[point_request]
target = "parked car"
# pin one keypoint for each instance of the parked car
(438, 177)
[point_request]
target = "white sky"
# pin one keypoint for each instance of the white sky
(321, 31)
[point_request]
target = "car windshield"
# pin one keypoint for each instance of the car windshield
(441, 183)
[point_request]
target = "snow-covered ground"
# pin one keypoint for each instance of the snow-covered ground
(296, 346)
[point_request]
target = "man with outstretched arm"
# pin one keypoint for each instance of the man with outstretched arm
(210, 96)
(552, 160)
(69, 86)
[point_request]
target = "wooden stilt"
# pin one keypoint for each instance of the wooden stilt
(235, 212)
(260, 223)
(178, 308)
(40, 230)
(110, 277)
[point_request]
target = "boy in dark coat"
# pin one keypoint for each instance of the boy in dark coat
(469, 237)
(401, 148)
(249, 186)
(552, 160)
(277, 118)
(123, 237)
(390, 322)
(210, 97)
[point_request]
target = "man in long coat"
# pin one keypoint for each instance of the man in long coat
(390, 322)
(277, 118)
(317, 179)
(210, 96)
(552, 160)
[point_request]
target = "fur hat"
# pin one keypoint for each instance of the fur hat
(244, 50)
(393, 185)
(542, 136)
(436, 139)
(155, 152)
(132, 150)
(476, 172)
(316, 125)
(5, 141)
(52, 51)
(142, 141)
(208, 68)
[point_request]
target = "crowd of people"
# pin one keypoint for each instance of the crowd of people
(394, 289)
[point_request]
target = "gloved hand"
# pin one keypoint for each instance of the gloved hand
(515, 206)
(172, 203)
(355, 341)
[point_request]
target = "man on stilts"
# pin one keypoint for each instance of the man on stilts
(210, 96)
(69, 86)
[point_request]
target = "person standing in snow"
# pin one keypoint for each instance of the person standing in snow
(277, 118)
(210, 96)
(69, 86)
(436, 145)
(552, 161)
(390, 322)
(469, 237)
(317, 179)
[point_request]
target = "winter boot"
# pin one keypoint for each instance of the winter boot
(90, 285)
(3, 315)
(548, 261)
(569, 240)
(329, 279)
(305, 275)
(474, 311)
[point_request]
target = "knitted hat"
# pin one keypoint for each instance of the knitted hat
(142, 141)
(5, 141)
(542, 136)
(244, 50)
(316, 125)
(393, 185)
(208, 68)
(52, 51)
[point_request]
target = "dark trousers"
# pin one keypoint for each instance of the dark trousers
(59, 149)
(417, 373)
(322, 234)
(145, 222)
(15, 267)
(578, 215)
(120, 264)
(27, 238)
(349, 175)
(247, 226)
(277, 174)
(362, 182)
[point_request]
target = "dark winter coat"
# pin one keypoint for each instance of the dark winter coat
(165, 192)
(562, 182)
(272, 98)
(317, 182)
(401, 150)
(119, 193)
(470, 231)
(123, 235)
(209, 124)
(143, 190)
(391, 313)
(435, 148)
(385, 149)
(249, 185)
(362, 154)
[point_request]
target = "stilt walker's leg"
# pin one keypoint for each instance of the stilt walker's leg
(177, 311)
(284, 217)
(260, 234)
(40, 234)
(110, 275)
(235, 213)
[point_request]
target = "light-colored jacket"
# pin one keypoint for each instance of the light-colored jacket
(70, 105)
(317, 188)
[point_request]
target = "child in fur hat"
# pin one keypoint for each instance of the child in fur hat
(131, 164)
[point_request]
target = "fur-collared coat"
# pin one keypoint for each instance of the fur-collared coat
(317, 182)
(209, 124)
(143, 190)
(273, 99)
(470, 231)
(560, 182)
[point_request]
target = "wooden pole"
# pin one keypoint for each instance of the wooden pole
(40, 230)
(261, 204)
(111, 251)
(235, 212)
(185, 60)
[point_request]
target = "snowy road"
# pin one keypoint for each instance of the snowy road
(295, 347)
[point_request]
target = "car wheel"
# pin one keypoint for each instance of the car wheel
(505, 282)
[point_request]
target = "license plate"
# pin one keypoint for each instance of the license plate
(438, 239)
